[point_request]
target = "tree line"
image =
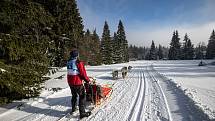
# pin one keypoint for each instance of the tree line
(38, 34)
(177, 50)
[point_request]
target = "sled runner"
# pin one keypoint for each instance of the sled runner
(97, 93)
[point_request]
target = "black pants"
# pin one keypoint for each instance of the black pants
(78, 90)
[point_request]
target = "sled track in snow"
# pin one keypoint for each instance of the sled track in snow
(135, 111)
(160, 108)
(120, 96)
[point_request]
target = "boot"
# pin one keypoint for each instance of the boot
(73, 110)
(85, 114)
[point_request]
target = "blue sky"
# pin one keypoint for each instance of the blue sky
(146, 20)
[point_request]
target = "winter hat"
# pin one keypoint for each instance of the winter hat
(74, 53)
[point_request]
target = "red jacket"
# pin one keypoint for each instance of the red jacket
(77, 79)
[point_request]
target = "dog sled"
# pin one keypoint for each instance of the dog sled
(97, 93)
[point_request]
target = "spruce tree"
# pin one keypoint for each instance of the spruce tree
(106, 45)
(92, 42)
(210, 53)
(88, 41)
(67, 29)
(160, 52)
(187, 49)
(96, 49)
(184, 48)
(24, 42)
(152, 52)
(174, 51)
(200, 51)
(190, 50)
(116, 52)
(123, 43)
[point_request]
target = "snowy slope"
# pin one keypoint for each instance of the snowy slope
(143, 95)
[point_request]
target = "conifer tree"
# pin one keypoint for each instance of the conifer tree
(123, 43)
(106, 45)
(24, 43)
(200, 51)
(116, 50)
(187, 49)
(88, 41)
(152, 52)
(92, 42)
(210, 53)
(174, 51)
(190, 50)
(67, 29)
(160, 52)
(96, 49)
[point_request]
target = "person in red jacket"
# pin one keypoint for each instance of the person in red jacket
(76, 73)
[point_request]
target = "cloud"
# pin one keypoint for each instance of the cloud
(163, 34)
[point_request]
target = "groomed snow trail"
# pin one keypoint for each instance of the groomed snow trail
(136, 108)
(138, 98)
(181, 107)
(157, 108)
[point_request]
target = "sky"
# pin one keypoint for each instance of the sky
(147, 20)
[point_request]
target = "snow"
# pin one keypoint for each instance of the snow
(196, 81)
(2, 70)
(152, 91)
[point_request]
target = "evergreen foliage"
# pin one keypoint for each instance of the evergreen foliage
(152, 52)
(35, 34)
(187, 49)
(106, 45)
(190, 50)
(96, 49)
(200, 51)
(160, 52)
(138, 53)
(210, 53)
(92, 42)
(174, 51)
(116, 50)
(24, 43)
(67, 29)
(122, 44)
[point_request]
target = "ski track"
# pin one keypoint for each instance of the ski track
(159, 109)
(137, 105)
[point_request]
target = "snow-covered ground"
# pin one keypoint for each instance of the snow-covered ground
(198, 82)
(144, 94)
